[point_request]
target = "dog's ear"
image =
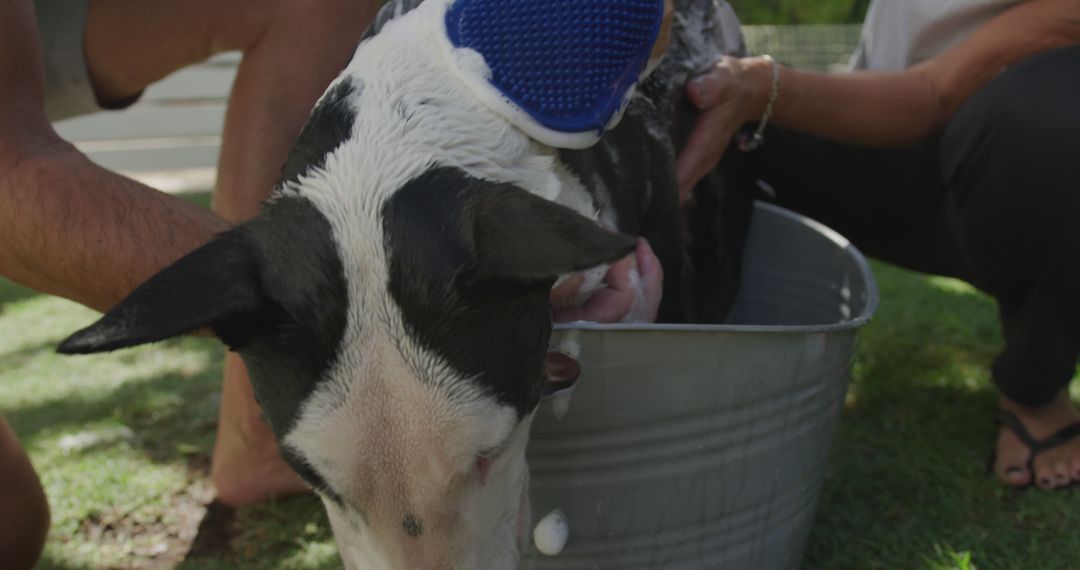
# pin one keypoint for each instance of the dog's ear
(445, 223)
(216, 286)
(522, 237)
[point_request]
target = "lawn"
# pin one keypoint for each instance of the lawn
(122, 444)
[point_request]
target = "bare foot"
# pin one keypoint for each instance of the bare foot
(1055, 467)
(247, 465)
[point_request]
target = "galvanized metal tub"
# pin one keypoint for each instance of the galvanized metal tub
(690, 447)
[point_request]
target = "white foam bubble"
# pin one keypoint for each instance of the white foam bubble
(551, 533)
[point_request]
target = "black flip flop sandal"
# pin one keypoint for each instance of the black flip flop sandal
(1035, 446)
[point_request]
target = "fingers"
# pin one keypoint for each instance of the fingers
(567, 289)
(606, 306)
(704, 90)
(618, 275)
(703, 151)
(652, 277)
(714, 94)
(609, 305)
(634, 290)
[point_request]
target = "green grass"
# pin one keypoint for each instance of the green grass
(906, 486)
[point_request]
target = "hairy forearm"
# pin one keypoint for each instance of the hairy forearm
(898, 108)
(70, 228)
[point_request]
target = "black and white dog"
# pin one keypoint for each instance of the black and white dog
(391, 302)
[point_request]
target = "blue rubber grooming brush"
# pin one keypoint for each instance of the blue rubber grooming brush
(567, 65)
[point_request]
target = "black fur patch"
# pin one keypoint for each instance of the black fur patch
(471, 267)
(330, 125)
(496, 332)
(302, 277)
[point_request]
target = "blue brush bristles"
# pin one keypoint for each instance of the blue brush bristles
(567, 63)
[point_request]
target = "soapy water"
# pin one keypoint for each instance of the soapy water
(551, 533)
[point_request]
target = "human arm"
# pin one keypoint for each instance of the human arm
(67, 226)
(869, 108)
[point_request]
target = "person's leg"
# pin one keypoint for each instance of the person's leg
(1009, 156)
(24, 512)
(889, 202)
(993, 202)
(292, 49)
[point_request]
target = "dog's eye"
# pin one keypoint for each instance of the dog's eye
(484, 461)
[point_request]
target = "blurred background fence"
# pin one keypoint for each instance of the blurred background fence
(820, 47)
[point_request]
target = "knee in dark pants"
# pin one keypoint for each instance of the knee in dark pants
(1042, 344)
(1029, 115)
(1008, 158)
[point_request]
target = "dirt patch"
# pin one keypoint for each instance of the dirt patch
(152, 538)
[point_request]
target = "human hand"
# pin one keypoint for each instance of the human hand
(731, 94)
(633, 292)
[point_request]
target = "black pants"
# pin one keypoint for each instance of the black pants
(994, 200)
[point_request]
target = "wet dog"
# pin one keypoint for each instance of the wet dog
(391, 302)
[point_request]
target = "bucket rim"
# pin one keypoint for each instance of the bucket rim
(828, 233)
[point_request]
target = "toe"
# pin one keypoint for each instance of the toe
(1062, 477)
(1057, 465)
(1015, 476)
(1053, 468)
(1072, 460)
(1012, 456)
(1044, 472)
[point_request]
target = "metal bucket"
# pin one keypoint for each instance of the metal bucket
(690, 447)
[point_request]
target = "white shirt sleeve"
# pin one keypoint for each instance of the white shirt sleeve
(900, 33)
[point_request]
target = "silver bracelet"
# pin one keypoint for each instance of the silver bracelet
(754, 141)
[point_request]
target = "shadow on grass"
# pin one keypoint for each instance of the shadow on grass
(19, 357)
(173, 416)
(261, 536)
(11, 293)
(170, 414)
(907, 485)
(48, 563)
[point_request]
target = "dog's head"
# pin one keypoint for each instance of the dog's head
(398, 365)
(396, 341)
